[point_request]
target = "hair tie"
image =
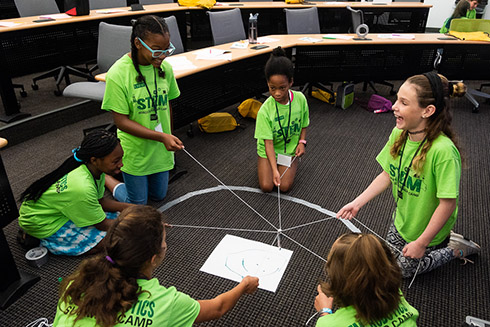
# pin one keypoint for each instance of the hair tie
(450, 88)
(110, 259)
(133, 22)
(74, 151)
(437, 90)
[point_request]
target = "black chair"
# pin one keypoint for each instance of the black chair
(36, 8)
(13, 283)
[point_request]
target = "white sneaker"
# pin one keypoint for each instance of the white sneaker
(458, 242)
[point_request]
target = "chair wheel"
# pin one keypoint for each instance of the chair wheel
(35, 87)
(57, 93)
(475, 110)
(23, 94)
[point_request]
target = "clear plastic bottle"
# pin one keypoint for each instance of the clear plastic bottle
(252, 28)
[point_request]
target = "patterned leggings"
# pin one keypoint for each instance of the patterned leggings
(435, 256)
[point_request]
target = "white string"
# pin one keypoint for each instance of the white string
(307, 224)
(416, 271)
(200, 164)
(225, 228)
(308, 321)
(288, 167)
(41, 322)
(280, 219)
(369, 229)
(304, 247)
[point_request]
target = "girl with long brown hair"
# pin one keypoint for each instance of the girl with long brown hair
(422, 163)
(116, 288)
(364, 282)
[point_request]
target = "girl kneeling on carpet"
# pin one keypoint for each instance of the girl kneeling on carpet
(281, 125)
(117, 289)
(422, 164)
(65, 209)
(364, 281)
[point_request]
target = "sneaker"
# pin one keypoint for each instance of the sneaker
(458, 242)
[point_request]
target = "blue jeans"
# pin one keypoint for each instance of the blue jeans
(137, 189)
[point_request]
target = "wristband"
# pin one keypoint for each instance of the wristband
(302, 142)
(326, 310)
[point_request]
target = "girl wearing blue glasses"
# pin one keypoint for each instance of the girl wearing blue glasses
(139, 88)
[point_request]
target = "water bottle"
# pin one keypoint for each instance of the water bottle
(252, 28)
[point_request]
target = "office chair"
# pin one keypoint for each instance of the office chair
(154, 2)
(104, 4)
(23, 92)
(13, 283)
(302, 21)
(36, 8)
(175, 38)
(114, 42)
(357, 17)
(226, 26)
(305, 21)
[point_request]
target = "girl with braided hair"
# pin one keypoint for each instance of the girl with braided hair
(116, 288)
(139, 87)
(421, 162)
(65, 208)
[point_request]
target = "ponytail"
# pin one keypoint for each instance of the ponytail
(97, 144)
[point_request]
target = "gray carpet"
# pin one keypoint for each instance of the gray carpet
(339, 164)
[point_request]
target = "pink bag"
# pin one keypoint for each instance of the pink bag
(379, 104)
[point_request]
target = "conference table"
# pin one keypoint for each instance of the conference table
(28, 47)
(208, 85)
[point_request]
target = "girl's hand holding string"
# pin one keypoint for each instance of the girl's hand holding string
(414, 250)
(348, 211)
(276, 177)
(300, 150)
(251, 284)
(172, 142)
(322, 300)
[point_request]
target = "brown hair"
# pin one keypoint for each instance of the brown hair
(102, 289)
(437, 123)
(363, 273)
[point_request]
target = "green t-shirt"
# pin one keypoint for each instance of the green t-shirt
(159, 307)
(126, 96)
(74, 197)
(267, 126)
(404, 316)
(439, 180)
(471, 14)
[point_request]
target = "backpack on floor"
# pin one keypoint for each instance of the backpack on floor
(217, 122)
(379, 104)
(345, 95)
(249, 108)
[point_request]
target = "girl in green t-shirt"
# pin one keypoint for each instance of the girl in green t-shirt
(281, 125)
(139, 87)
(117, 289)
(66, 208)
(422, 164)
(461, 10)
(364, 282)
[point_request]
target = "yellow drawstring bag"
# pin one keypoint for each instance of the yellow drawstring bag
(198, 3)
(249, 108)
(217, 122)
(295, 1)
(323, 96)
(471, 36)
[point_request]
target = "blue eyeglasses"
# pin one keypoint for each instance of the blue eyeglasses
(159, 53)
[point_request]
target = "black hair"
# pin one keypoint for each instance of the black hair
(141, 27)
(98, 144)
(279, 64)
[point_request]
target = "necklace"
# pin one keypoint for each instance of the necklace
(416, 132)
(407, 171)
(153, 116)
(284, 134)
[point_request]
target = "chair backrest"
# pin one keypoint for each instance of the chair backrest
(36, 7)
(470, 25)
(103, 4)
(226, 26)
(175, 38)
(357, 17)
(154, 2)
(302, 21)
(114, 42)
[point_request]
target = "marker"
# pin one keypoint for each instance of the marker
(329, 38)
